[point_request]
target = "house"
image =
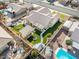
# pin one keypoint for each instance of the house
(14, 10)
(26, 31)
(67, 25)
(75, 38)
(5, 38)
(42, 21)
(63, 2)
(73, 27)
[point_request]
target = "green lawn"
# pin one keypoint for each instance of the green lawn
(16, 28)
(36, 36)
(50, 31)
(62, 16)
(47, 34)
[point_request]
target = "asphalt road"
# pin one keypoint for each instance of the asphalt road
(66, 10)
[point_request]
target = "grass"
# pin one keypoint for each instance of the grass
(50, 31)
(62, 16)
(35, 36)
(16, 28)
(47, 34)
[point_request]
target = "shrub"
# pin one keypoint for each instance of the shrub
(2, 3)
(34, 53)
(69, 42)
(49, 35)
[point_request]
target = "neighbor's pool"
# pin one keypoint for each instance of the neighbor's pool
(62, 54)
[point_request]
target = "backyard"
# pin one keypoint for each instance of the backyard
(50, 31)
(35, 38)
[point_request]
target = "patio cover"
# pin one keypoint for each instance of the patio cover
(26, 30)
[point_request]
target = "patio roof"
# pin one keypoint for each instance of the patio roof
(75, 35)
(40, 19)
(26, 30)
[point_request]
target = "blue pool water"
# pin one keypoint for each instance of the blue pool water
(61, 54)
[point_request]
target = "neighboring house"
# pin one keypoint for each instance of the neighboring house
(5, 38)
(67, 25)
(73, 27)
(63, 2)
(14, 10)
(41, 20)
(70, 26)
(26, 31)
(75, 38)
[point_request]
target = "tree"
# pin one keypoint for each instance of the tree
(68, 42)
(34, 53)
(2, 3)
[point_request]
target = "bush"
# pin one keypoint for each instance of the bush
(69, 42)
(49, 35)
(34, 53)
(2, 3)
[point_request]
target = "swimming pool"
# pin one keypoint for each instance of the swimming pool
(62, 54)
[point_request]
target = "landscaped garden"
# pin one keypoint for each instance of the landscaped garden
(35, 38)
(50, 31)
